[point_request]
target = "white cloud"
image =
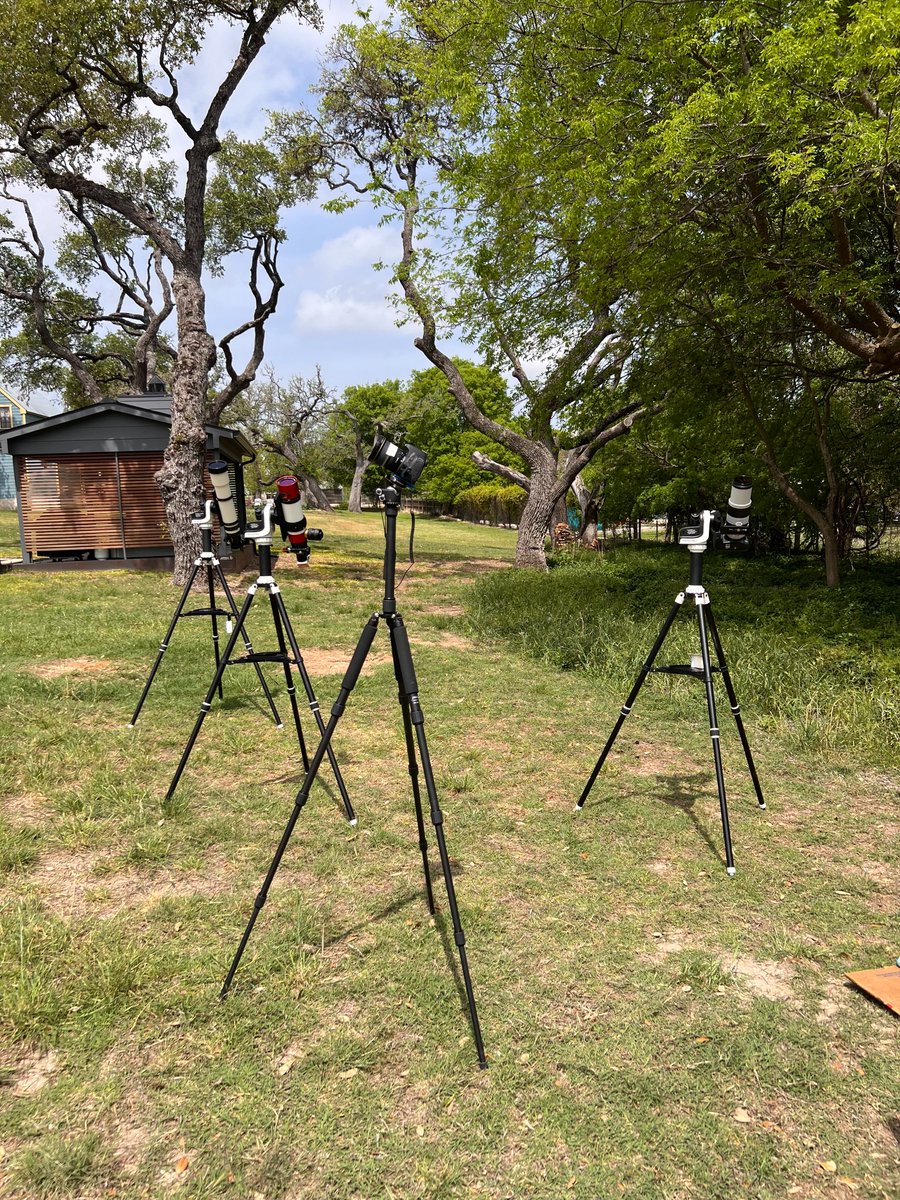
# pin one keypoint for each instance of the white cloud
(342, 309)
(356, 250)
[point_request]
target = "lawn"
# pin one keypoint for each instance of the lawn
(654, 1028)
(10, 547)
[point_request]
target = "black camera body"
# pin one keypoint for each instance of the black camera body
(403, 463)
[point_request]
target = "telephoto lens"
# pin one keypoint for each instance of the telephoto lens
(403, 464)
(293, 521)
(737, 516)
(228, 513)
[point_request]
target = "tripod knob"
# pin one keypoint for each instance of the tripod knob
(315, 535)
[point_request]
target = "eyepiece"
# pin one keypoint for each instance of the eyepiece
(228, 513)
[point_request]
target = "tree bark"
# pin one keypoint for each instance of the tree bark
(536, 517)
(354, 504)
(315, 497)
(180, 479)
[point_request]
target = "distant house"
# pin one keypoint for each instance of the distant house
(12, 415)
(85, 483)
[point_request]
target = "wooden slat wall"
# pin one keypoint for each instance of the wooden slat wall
(71, 502)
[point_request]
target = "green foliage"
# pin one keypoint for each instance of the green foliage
(492, 502)
(821, 669)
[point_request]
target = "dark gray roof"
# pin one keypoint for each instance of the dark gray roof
(155, 410)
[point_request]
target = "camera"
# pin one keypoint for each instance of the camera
(711, 529)
(404, 465)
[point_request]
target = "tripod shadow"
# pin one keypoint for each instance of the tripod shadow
(295, 779)
(395, 906)
(681, 792)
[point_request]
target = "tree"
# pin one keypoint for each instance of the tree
(352, 433)
(79, 80)
(288, 419)
(516, 284)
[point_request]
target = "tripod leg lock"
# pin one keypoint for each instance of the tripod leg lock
(460, 938)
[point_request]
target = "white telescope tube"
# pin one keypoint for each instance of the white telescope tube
(228, 513)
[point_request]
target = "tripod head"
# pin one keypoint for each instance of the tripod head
(202, 519)
(285, 511)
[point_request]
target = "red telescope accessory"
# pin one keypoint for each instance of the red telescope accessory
(292, 520)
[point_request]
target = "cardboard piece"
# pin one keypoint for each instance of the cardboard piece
(883, 983)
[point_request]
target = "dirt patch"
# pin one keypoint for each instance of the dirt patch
(27, 809)
(32, 1073)
(659, 866)
(75, 885)
(649, 758)
(444, 639)
(669, 943)
(769, 979)
(56, 668)
(334, 662)
(443, 610)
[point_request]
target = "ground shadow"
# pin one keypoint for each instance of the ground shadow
(681, 792)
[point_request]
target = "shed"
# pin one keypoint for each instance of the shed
(84, 479)
(13, 414)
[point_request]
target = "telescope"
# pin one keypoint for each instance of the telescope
(711, 528)
(225, 504)
(291, 521)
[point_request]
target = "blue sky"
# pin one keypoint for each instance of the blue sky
(334, 311)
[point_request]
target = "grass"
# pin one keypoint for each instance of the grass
(10, 546)
(654, 1028)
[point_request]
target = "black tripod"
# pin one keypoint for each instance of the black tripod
(702, 669)
(214, 573)
(262, 535)
(414, 727)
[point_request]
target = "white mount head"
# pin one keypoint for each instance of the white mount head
(696, 537)
(261, 531)
(203, 520)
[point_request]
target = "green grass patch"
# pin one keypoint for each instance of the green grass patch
(654, 1028)
(819, 666)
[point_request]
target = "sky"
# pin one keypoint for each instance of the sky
(334, 311)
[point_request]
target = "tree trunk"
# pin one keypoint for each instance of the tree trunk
(180, 479)
(832, 557)
(354, 504)
(560, 513)
(315, 497)
(535, 521)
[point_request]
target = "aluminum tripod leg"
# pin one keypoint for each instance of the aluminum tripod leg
(278, 602)
(164, 644)
(351, 675)
(414, 775)
(403, 658)
(629, 703)
(288, 676)
(735, 707)
(248, 646)
(215, 625)
(714, 735)
(207, 703)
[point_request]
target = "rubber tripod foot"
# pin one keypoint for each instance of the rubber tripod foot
(129, 726)
(353, 821)
(577, 808)
(730, 870)
(280, 725)
(763, 805)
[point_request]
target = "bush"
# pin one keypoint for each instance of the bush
(822, 665)
(493, 503)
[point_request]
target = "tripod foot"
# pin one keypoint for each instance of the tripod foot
(762, 804)
(280, 725)
(730, 870)
(353, 823)
(577, 808)
(130, 725)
